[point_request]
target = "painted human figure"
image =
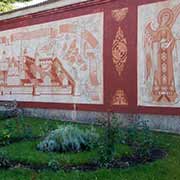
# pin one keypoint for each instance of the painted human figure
(4, 63)
(162, 43)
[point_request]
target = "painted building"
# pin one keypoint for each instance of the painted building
(94, 56)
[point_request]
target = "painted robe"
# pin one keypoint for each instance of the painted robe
(163, 82)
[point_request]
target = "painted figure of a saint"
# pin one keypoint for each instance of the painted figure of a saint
(159, 45)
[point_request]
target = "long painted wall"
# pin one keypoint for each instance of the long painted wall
(108, 55)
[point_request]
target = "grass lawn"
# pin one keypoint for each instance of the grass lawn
(25, 151)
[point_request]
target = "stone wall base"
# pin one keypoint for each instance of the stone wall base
(162, 123)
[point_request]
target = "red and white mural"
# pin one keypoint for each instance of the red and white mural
(60, 61)
(158, 54)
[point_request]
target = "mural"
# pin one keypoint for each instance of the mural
(60, 61)
(158, 55)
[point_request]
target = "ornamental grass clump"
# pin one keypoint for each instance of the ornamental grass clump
(69, 138)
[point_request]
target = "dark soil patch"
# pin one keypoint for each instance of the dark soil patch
(154, 155)
(124, 162)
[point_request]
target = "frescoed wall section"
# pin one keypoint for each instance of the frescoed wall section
(158, 54)
(54, 62)
(119, 47)
(57, 59)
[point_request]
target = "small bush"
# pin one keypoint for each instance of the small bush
(6, 133)
(137, 135)
(54, 165)
(109, 138)
(68, 138)
(141, 139)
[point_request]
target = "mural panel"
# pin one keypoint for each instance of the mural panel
(158, 54)
(60, 61)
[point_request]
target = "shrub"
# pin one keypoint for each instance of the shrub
(109, 138)
(137, 135)
(68, 138)
(6, 133)
(140, 137)
(5, 136)
(54, 165)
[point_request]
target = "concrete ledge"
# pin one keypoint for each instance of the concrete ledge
(161, 123)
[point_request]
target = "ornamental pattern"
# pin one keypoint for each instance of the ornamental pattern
(119, 98)
(119, 47)
(119, 51)
(119, 14)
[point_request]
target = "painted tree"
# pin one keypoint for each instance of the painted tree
(7, 5)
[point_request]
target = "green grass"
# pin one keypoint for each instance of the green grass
(37, 124)
(29, 154)
(26, 151)
(165, 169)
